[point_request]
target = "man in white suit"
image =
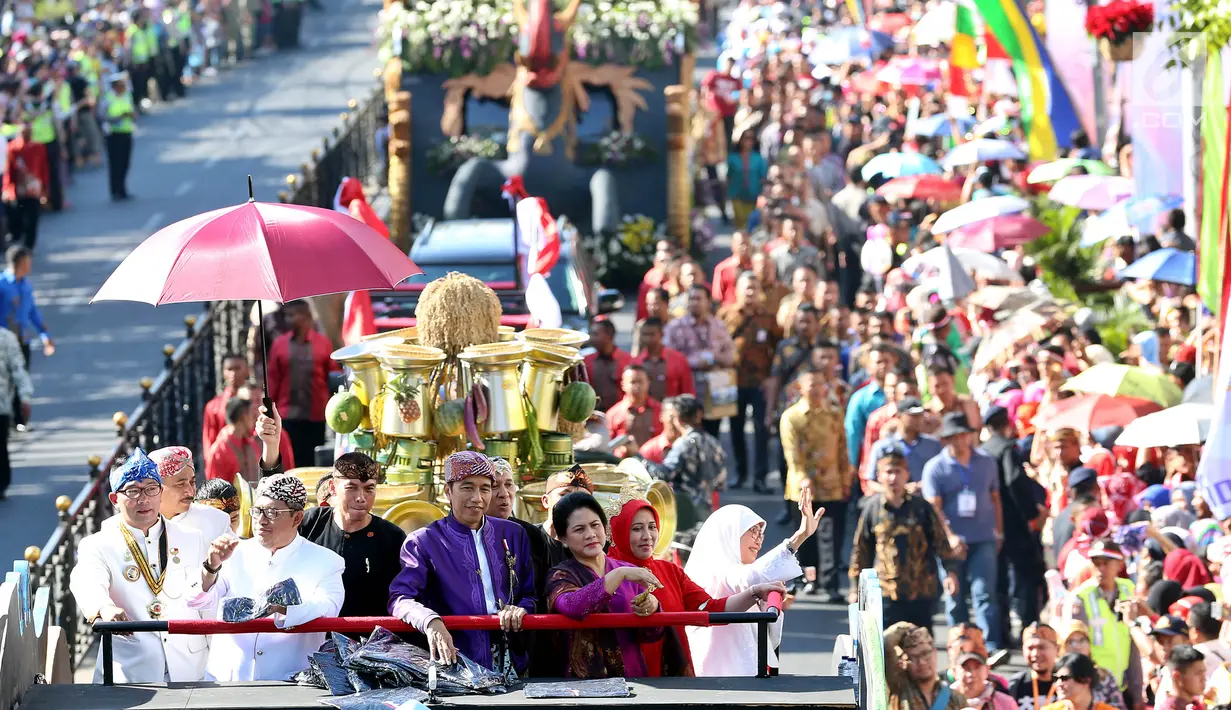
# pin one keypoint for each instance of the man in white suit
(139, 567)
(179, 488)
(246, 568)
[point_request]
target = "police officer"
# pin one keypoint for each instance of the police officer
(116, 114)
(140, 57)
(43, 131)
(1105, 604)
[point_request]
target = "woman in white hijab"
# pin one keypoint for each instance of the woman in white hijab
(724, 562)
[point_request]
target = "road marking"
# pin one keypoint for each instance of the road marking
(154, 222)
(184, 188)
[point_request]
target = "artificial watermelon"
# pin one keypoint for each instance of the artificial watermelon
(450, 418)
(344, 412)
(577, 402)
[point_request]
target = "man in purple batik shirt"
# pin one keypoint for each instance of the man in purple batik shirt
(467, 564)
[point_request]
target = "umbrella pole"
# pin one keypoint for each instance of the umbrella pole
(266, 401)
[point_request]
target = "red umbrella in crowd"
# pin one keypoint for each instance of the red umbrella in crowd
(1092, 411)
(258, 251)
(921, 187)
(1002, 232)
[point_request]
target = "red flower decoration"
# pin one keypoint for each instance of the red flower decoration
(1118, 20)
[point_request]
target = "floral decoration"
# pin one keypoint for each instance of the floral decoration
(622, 256)
(473, 36)
(616, 149)
(447, 156)
(1118, 20)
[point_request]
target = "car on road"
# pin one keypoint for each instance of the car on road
(486, 249)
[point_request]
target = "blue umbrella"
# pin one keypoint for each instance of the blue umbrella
(1141, 212)
(1169, 265)
(892, 165)
(939, 125)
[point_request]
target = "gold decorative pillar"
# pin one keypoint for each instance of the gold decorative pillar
(401, 208)
(688, 71)
(679, 177)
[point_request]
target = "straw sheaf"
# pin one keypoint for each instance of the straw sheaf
(457, 311)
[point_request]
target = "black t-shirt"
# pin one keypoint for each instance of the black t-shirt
(78, 86)
(373, 559)
(1021, 689)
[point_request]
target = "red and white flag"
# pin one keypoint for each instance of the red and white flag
(358, 319)
(540, 243)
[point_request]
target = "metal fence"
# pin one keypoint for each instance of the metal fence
(358, 150)
(170, 413)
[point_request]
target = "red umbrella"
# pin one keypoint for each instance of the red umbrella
(1092, 411)
(988, 235)
(258, 251)
(921, 187)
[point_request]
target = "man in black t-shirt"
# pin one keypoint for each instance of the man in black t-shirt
(370, 545)
(1032, 689)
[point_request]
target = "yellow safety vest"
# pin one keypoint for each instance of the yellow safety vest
(1111, 653)
(43, 128)
(184, 23)
(151, 38)
(118, 105)
(9, 130)
(136, 39)
(65, 98)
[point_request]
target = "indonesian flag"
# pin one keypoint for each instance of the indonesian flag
(358, 319)
(540, 243)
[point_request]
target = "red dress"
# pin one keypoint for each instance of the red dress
(678, 593)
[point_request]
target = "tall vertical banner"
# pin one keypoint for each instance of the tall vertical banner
(1214, 468)
(1212, 237)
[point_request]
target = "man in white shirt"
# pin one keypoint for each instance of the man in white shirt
(246, 568)
(139, 567)
(179, 488)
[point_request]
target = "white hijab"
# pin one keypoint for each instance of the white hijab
(716, 565)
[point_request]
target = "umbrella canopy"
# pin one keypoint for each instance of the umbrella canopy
(921, 187)
(1185, 424)
(955, 282)
(1022, 326)
(937, 259)
(1126, 381)
(890, 22)
(892, 165)
(846, 43)
(1060, 169)
(909, 72)
(1092, 411)
(977, 211)
(1168, 265)
(982, 150)
(938, 125)
(1200, 390)
(1005, 298)
(998, 233)
(1091, 192)
(937, 26)
(258, 251)
(996, 125)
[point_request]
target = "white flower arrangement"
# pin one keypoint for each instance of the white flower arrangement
(473, 36)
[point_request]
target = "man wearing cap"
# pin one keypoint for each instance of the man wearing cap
(963, 485)
(1033, 687)
(246, 568)
(139, 567)
(467, 564)
(1105, 604)
(918, 448)
(971, 678)
(369, 544)
(179, 489)
(116, 113)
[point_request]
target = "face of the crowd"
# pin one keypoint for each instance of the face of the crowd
(178, 491)
(1041, 655)
(469, 499)
(504, 495)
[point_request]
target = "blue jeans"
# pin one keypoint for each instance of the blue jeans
(977, 578)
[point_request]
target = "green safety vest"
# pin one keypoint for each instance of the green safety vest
(184, 23)
(168, 19)
(9, 130)
(43, 128)
(1111, 653)
(136, 39)
(118, 105)
(65, 98)
(151, 38)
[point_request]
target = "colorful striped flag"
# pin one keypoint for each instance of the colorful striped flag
(1047, 109)
(963, 54)
(1212, 241)
(858, 12)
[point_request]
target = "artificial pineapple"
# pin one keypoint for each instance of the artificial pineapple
(404, 394)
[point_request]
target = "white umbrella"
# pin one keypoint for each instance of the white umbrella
(955, 281)
(979, 210)
(981, 150)
(934, 261)
(1182, 425)
(1091, 192)
(937, 26)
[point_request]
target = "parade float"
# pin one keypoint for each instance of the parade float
(459, 380)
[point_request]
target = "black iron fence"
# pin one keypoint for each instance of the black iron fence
(170, 413)
(358, 150)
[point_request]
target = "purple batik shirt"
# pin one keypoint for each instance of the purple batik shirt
(441, 577)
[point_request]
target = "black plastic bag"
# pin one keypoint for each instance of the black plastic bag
(389, 658)
(284, 594)
(384, 699)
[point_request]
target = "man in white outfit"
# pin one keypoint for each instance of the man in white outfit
(179, 487)
(139, 567)
(246, 568)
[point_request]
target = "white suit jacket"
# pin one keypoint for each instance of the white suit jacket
(210, 522)
(251, 570)
(98, 580)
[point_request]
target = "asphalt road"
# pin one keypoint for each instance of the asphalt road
(263, 118)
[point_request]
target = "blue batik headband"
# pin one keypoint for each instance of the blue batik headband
(138, 467)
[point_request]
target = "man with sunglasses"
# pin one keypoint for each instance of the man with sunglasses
(247, 568)
(369, 544)
(140, 567)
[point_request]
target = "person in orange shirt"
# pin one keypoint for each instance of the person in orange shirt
(235, 372)
(236, 452)
(637, 415)
(729, 269)
(655, 450)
